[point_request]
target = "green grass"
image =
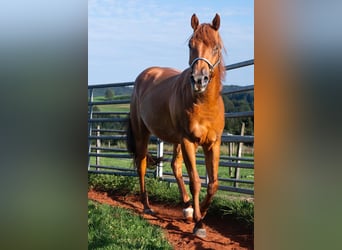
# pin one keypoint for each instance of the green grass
(243, 210)
(116, 228)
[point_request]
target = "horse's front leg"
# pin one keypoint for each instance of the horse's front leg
(189, 156)
(212, 158)
(176, 164)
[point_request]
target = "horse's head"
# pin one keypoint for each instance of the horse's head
(205, 52)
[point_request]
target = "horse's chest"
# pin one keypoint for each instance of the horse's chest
(202, 133)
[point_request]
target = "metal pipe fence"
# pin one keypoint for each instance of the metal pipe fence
(107, 153)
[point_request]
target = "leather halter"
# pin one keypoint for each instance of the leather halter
(211, 66)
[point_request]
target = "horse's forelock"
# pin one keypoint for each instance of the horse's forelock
(204, 33)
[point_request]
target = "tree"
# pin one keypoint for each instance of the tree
(228, 104)
(96, 109)
(109, 94)
(240, 102)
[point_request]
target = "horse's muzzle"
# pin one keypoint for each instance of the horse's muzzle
(199, 82)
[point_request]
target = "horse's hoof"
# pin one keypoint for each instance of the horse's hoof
(188, 213)
(200, 232)
(149, 211)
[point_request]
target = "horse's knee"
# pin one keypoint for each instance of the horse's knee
(197, 183)
(176, 171)
(212, 188)
(176, 165)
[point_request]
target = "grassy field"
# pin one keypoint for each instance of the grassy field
(116, 107)
(111, 107)
(116, 228)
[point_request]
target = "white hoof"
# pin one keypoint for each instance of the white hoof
(188, 213)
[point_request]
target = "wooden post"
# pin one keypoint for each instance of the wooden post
(230, 155)
(239, 151)
(98, 144)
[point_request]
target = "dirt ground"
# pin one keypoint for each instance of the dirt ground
(222, 233)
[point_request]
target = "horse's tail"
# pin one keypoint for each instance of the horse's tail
(152, 161)
(130, 142)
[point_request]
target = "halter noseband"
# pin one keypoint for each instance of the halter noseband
(211, 66)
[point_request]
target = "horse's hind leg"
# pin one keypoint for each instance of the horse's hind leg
(141, 164)
(176, 164)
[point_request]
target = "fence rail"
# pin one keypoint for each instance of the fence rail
(107, 142)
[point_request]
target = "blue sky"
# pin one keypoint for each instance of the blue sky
(125, 37)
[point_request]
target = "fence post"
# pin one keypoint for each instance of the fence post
(90, 126)
(98, 144)
(239, 152)
(160, 154)
(230, 169)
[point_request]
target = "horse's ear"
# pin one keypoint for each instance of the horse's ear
(216, 22)
(194, 21)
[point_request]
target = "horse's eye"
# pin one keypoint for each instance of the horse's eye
(215, 50)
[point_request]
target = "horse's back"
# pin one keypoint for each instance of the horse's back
(153, 76)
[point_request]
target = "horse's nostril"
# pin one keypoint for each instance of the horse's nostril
(199, 79)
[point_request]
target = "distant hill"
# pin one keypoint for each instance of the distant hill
(230, 88)
(116, 90)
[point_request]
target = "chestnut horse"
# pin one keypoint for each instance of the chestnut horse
(185, 109)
